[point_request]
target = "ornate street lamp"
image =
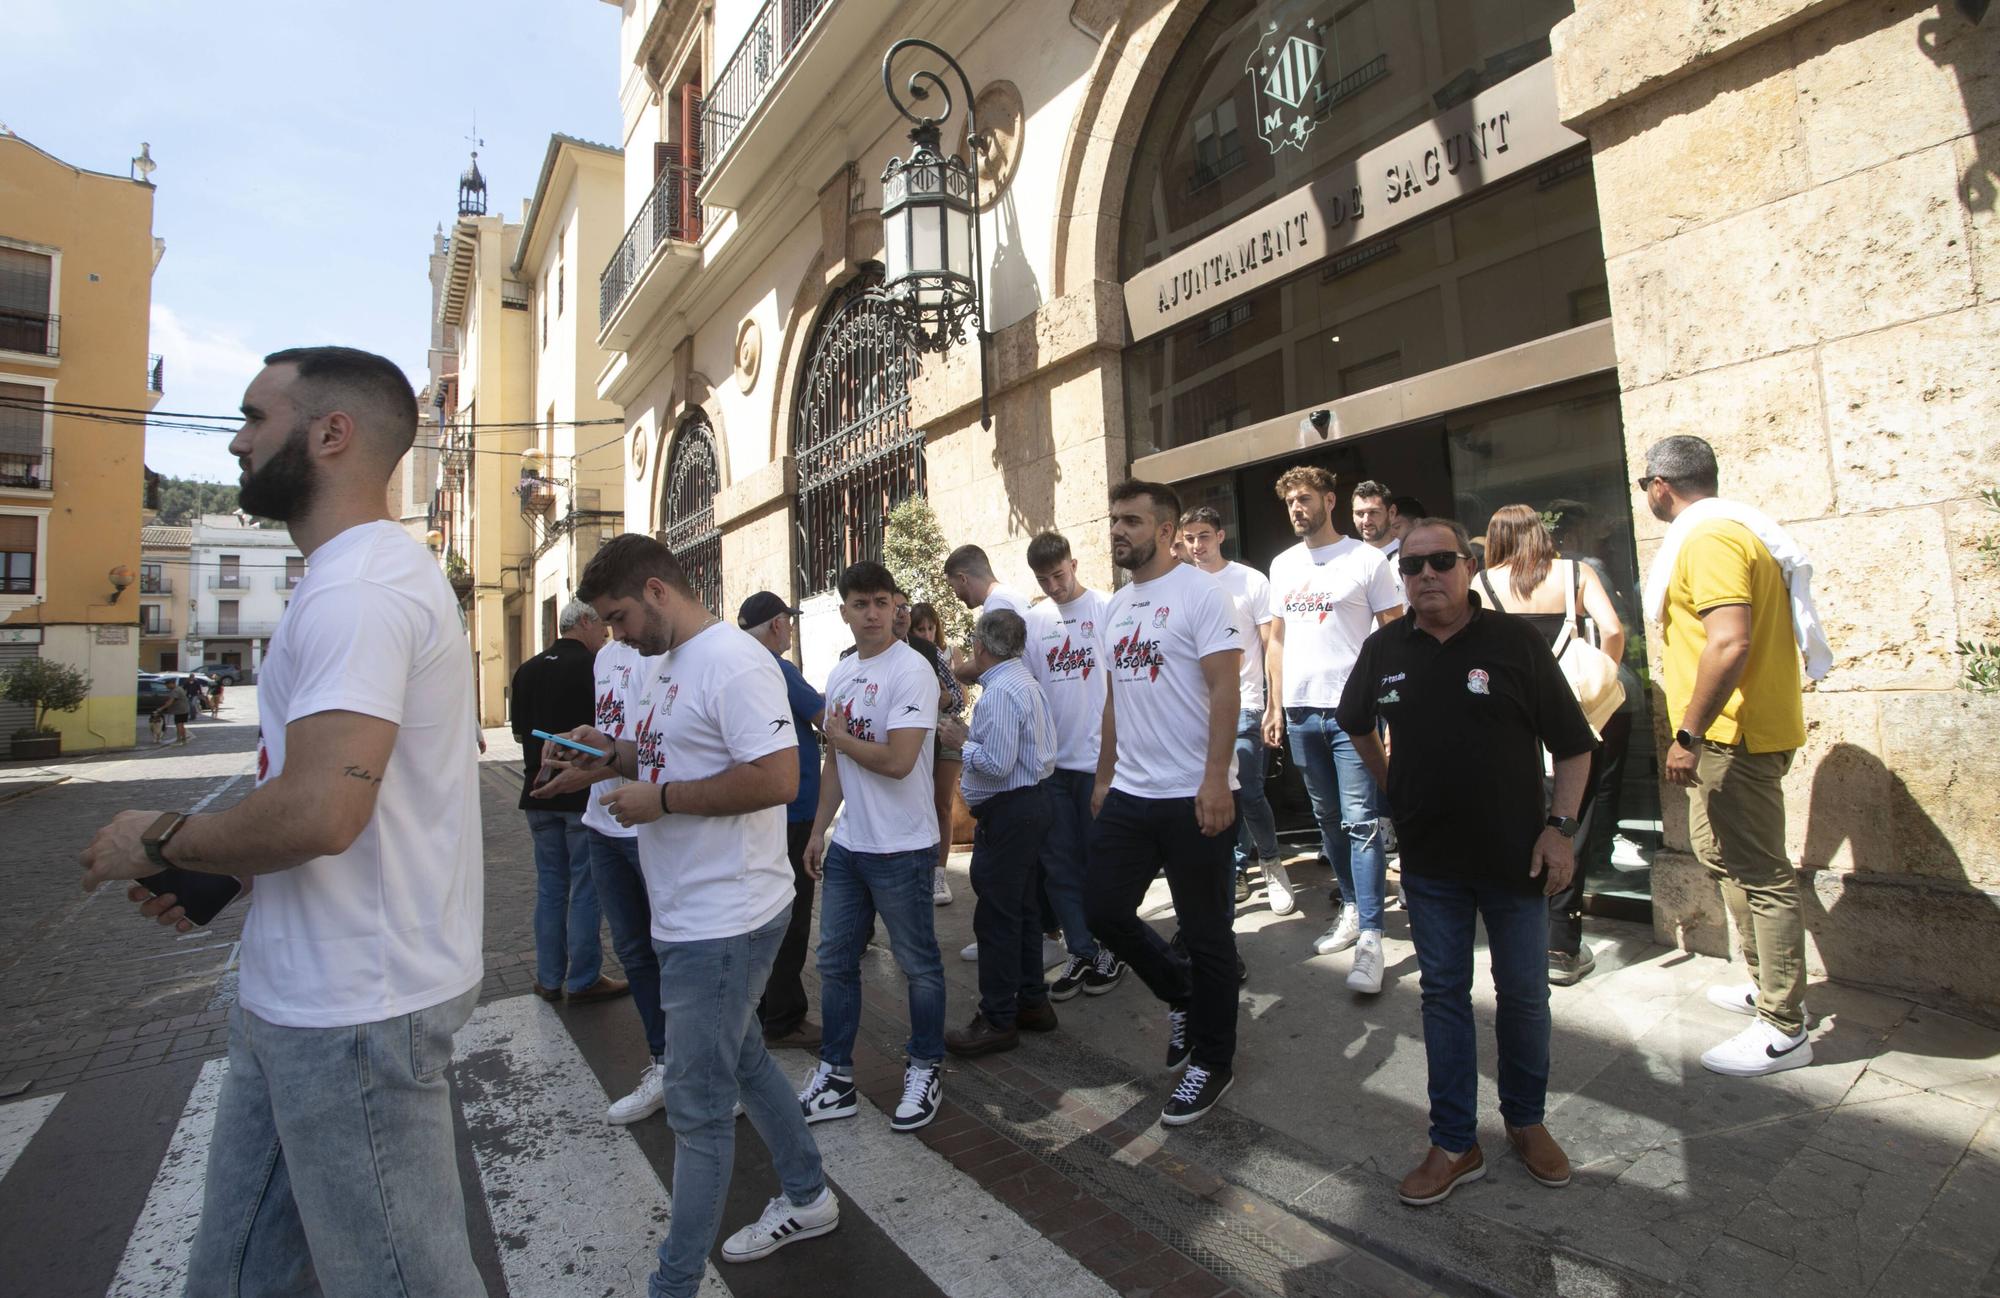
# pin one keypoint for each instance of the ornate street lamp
(933, 264)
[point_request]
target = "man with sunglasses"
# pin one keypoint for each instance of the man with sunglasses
(1328, 592)
(1472, 698)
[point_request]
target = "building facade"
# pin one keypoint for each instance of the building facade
(77, 255)
(1483, 251)
(167, 602)
(240, 578)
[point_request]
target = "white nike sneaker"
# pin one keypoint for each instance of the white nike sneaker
(1345, 932)
(1278, 888)
(1757, 1050)
(1742, 999)
(923, 1091)
(1366, 974)
(828, 1095)
(783, 1223)
(969, 952)
(940, 888)
(644, 1101)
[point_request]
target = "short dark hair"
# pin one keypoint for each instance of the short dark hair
(1407, 507)
(1166, 501)
(623, 565)
(1373, 490)
(866, 578)
(1452, 525)
(1047, 550)
(371, 389)
(1206, 515)
(968, 559)
(1684, 461)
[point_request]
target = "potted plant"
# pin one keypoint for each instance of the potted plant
(459, 573)
(46, 687)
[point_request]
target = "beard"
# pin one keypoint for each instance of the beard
(1137, 555)
(654, 633)
(1313, 522)
(284, 489)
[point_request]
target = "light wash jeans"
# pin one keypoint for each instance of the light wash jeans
(854, 887)
(1344, 804)
(1256, 826)
(567, 953)
(716, 1055)
(333, 1168)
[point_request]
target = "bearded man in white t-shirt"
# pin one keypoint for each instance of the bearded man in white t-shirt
(1330, 591)
(969, 573)
(333, 1164)
(712, 758)
(1164, 795)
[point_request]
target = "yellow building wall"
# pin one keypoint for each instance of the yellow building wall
(103, 226)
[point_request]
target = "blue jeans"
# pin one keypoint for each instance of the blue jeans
(854, 887)
(1442, 917)
(716, 1055)
(333, 1167)
(1344, 804)
(1256, 827)
(621, 892)
(1065, 849)
(1006, 841)
(567, 954)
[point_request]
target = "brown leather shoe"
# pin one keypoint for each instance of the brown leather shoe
(548, 993)
(1439, 1174)
(980, 1037)
(1540, 1154)
(1036, 1018)
(603, 989)
(806, 1036)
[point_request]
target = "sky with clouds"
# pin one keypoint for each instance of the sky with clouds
(306, 153)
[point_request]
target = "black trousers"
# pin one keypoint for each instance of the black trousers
(783, 1005)
(1599, 817)
(1006, 854)
(1131, 840)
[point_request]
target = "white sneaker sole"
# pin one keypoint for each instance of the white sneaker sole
(1356, 982)
(613, 1117)
(1282, 903)
(830, 1115)
(1476, 1174)
(803, 1232)
(917, 1123)
(1182, 1119)
(1797, 1057)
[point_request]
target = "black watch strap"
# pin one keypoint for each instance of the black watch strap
(1564, 825)
(1686, 740)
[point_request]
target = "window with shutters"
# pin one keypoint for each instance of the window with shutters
(28, 322)
(24, 436)
(20, 542)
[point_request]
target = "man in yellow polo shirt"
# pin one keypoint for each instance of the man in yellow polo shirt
(1732, 671)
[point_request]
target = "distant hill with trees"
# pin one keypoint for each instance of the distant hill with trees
(183, 500)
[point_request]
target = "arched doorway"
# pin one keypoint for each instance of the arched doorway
(858, 456)
(688, 509)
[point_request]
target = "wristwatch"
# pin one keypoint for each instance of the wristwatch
(1686, 740)
(1564, 825)
(159, 834)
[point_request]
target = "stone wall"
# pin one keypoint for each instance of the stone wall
(1798, 219)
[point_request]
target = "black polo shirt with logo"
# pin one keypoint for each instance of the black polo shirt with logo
(1468, 719)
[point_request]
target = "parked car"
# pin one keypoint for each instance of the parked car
(153, 690)
(223, 672)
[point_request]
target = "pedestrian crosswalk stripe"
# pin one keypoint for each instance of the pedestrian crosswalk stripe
(156, 1254)
(576, 1208)
(18, 1124)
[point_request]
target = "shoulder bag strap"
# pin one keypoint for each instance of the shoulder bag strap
(1492, 600)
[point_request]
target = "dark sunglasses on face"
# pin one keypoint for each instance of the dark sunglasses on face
(1442, 561)
(1646, 482)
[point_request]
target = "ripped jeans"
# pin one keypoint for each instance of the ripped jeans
(1344, 802)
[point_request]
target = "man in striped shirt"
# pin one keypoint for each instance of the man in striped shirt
(1010, 749)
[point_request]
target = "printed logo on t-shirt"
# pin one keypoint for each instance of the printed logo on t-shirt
(263, 761)
(856, 726)
(1090, 628)
(667, 704)
(1131, 654)
(1305, 600)
(1476, 681)
(647, 740)
(1160, 615)
(1391, 697)
(611, 713)
(868, 695)
(1077, 662)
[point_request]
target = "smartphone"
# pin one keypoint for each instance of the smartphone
(546, 737)
(201, 896)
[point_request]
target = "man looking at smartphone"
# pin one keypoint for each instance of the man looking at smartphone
(333, 1163)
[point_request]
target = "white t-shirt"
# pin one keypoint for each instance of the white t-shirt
(391, 925)
(1328, 596)
(1156, 634)
(894, 690)
(1066, 656)
(1250, 593)
(615, 667)
(715, 702)
(999, 597)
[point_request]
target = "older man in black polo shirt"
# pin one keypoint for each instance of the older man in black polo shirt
(1472, 698)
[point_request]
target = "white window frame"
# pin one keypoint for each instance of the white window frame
(55, 303)
(48, 387)
(10, 603)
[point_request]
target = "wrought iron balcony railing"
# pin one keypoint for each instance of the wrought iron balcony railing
(156, 585)
(34, 332)
(156, 373)
(750, 71)
(27, 471)
(669, 212)
(229, 581)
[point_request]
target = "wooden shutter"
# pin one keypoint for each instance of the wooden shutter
(690, 160)
(663, 153)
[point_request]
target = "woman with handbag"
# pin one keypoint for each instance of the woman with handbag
(1566, 601)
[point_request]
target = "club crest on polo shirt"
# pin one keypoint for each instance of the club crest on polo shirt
(1477, 682)
(1067, 661)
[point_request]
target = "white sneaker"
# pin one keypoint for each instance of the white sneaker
(923, 1091)
(969, 952)
(782, 1223)
(940, 888)
(1278, 888)
(1345, 932)
(828, 1095)
(643, 1102)
(1054, 952)
(1741, 999)
(1757, 1050)
(1366, 975)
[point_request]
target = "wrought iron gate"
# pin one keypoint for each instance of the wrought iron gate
(689, 510)
(858, 457)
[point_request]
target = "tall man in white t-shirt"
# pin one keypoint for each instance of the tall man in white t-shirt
(969, 573)
(332, 1163)
(1174, 653)
(713, 760)
(1330, 592)
(1067, 658)
(881, 715)
(1202, 535)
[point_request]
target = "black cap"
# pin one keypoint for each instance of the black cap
(761, 608)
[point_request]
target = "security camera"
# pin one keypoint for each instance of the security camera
(1319, 422)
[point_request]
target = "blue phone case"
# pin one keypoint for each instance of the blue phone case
(567, 743)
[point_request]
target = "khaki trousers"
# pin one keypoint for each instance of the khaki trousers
(1736, 820)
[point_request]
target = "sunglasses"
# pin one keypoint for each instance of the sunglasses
(1442, 561)
(1643, 483)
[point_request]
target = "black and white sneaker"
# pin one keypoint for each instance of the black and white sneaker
(783, 1223)
(1104, 974)
(923, 1091)
(828, 1095)
(1198, 1092)
(1070, 981)
(1177, 1041)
